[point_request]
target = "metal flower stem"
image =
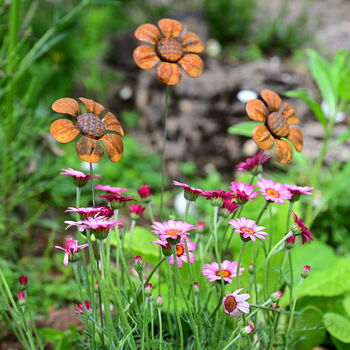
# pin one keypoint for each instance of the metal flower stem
(165, 132)
(92, 184)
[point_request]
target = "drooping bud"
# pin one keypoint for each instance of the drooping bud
(306, 271)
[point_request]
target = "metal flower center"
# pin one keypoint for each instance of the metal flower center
(225, 273)
(91, 125)
(247, 230)
(277, 124)
(172, 232)
(179, 250)
(272, 193)
(230, 303)
(169, 49)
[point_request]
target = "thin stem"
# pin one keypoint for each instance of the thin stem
(150, 211)
(188, 204)
(239, 263)
(165, 131)
(92, 184)
(290, 262)
(262, 212)
(160, 328)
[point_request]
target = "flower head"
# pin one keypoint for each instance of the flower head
(166, 247)
(167, 50)
(253, 163)
(23, 281)
(212, 271)
(276, 296)
(277, 118)
(190, 193)
(290, 241)
(247, 330)
(136, 209)
(273, 191)
(116, 201)
(159, 301)
(248, 229)
(243, 192)
(144, 191)
(235, 304)
(21, 296)
(110, 189)
(300, 228)
(80, 308)
(92, 128)
(104, 211)
(172, 230)
(148, 289)
(70, 248)
(228, 207)
(217, 197)
(297, 191)
(80, 179)
(306, 271)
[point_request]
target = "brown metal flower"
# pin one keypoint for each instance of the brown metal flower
(278, 119)
(169, 51)
(92, 128)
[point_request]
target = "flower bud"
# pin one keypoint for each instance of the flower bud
(247, 330)
(190, 195)
(74, 257)
(23, 281)
(159, 301)
(196, 287)
(80, 181)
(200, 226)
(289, 242)
(21, 296)
(276, 296)
(145, 193)
(139, 264)
(101, 234)
(306, 271)
(148, 289)
(251, 269)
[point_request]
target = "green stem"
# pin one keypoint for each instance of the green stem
(239, 263)
(188, 204)
(150, 211)
(165, 131)
(160, 328)
(262, 212)
(290, 262)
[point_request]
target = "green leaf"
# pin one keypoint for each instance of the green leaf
(321, 72)
(346, 304)
(243, 129)
(344, 136)
(338, 326)
(344, 86)
(313, 105)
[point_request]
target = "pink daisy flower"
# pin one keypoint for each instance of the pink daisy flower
(145, 192)
(297, 191)
(301, 229)
(172, 229)
(212, 271)
(181, 255)
(110, 189)
(248, 229)
(235, 304)
(80, 309)
(217, 197)
(116, 201)
(252, 163)
(105, 211)
(80, 179)
(70, 248)
(227, 208)
(190, 193)
(243, 192)
(273, 191)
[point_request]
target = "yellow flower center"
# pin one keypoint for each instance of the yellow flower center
(172, 232)
(225, 273)
(179, 250)
(247, 230)
(272, 193)
(91, 125)
(169, 49)
(230, 303)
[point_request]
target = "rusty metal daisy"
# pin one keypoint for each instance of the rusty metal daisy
(92, 128)
(169, 51)
(280, 123)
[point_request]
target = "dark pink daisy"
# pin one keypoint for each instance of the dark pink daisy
(172, 229)
(248, 229)
(110, 189)
(227, 208)
(80, 179)
(273, 191)
(70, 248)
(104, 211)
(297, 191)
(136, 209)
(116, 201)
(301, 229)
(144, 191)
(252, 163)
(190, 193)
(229, 268)
(243, 192)
(217, 197)
(235, 304)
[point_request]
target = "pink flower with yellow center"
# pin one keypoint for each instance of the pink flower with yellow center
(70, 248)
(243, 192)
(235, 304)
(252, 163)
(248, 229)
(172, 229)
(212, 271)
(273, 191)
(96, 224)
(104, 211)
(110, 189)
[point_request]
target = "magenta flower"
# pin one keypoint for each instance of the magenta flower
(273, 191)
(136, 209)
(172, 229)
(252, 163)
(23, 281)
(144, 191)
(212, 271)
(217, 197)
(21, 296)
(290, 241)
(306, 271)
(116, 201)
(190, 193)
(248, 229)
(80, 309)
(235, 304)
(70, 248)
(104, 211)
(243, 192)
(80, 179)
(228, 207)
(297, 191)
(110, 189)
(300, 229)
(166, 247)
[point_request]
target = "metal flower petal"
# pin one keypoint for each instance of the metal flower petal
(112, 123)
(148, 33)
(145, 57)
(192, 65)
(89, 150)
(289, 114)
(169, 73)
(296, 138)
(66, 105)
(272, 100)
(170, 28)
(64, 130)
(192, 43)
(92, 106)
(114, 146)
(283, 152)
(256, 110)
(263, 137)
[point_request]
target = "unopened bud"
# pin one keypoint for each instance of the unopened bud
(252, 269)
(276, 296)
(306, 271)
(148, 289)
(196, 287)
(289, 242)
(247, 330)
(21, 296)
(23, 281)
(139, 264)
(159, 301)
